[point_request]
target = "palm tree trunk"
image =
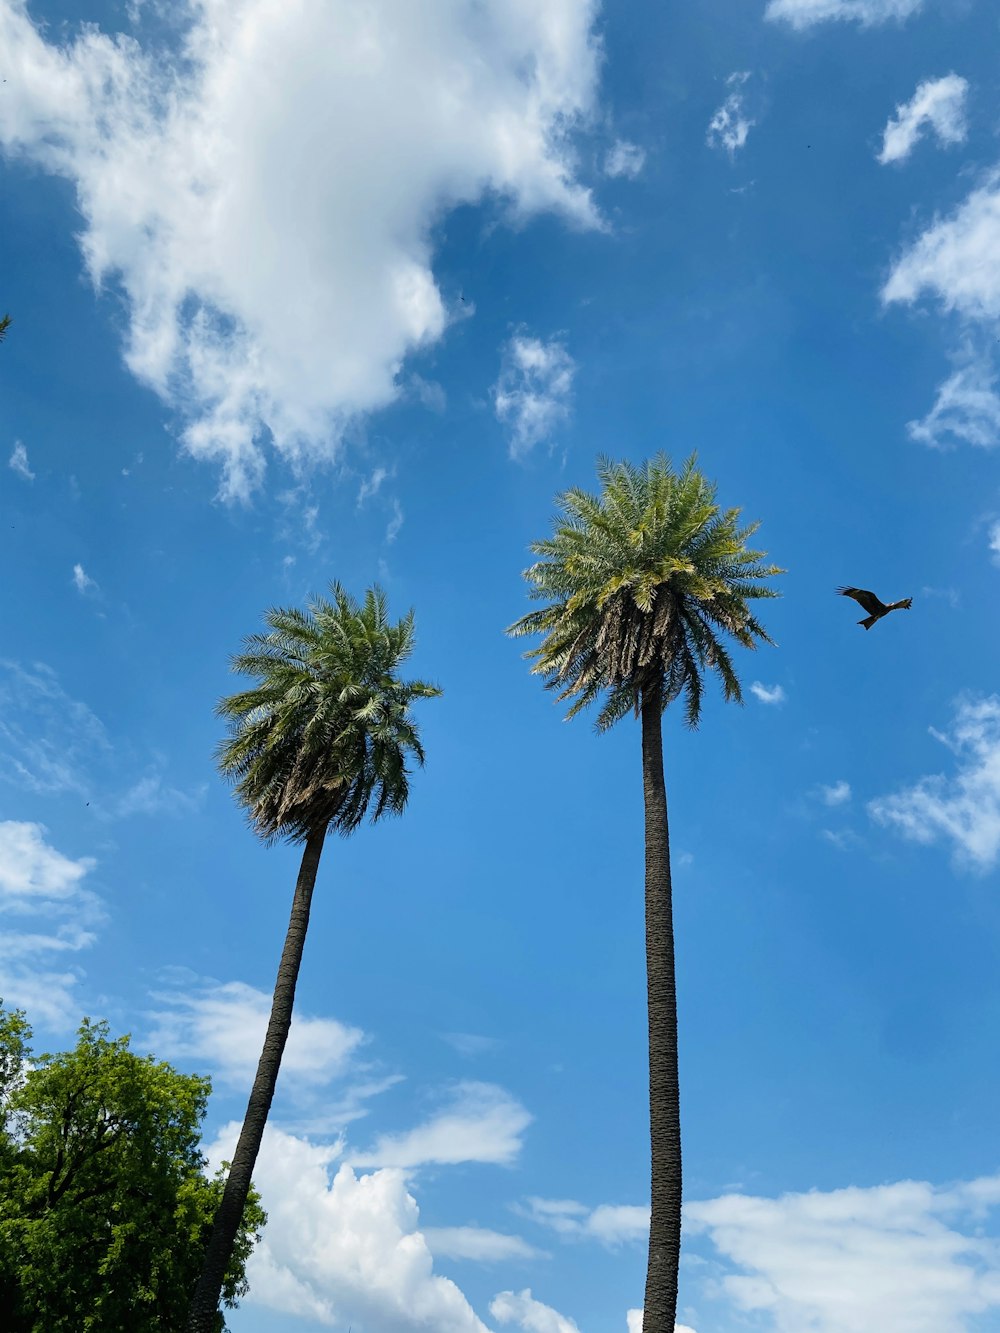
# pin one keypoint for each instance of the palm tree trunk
(203, 1311)
(664, 1092)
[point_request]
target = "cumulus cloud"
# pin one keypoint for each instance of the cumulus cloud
(343, 1250)
(966, 409)
(480, 1123)
(624, 159)
(611, 1224)
(82, 581)
(938, 105)
(265, 192)
(962, 809)
(906, 1257)
(522, 1309)
(532, 395)
(729, 127)
(837, 793)
(222, 1025)
(804, 13)
(767, 694)
(18, 462)
(42, 891)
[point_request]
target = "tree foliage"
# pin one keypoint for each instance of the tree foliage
(104, 1207)
(641, 582)
(327, 729)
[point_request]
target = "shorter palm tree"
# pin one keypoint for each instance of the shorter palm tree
(323, 736)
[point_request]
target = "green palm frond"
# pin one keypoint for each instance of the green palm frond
(325, 736)
(640, 583)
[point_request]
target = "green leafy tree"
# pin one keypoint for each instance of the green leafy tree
(4, 326)
(104, 1207)
(643, 584)
(324, 736)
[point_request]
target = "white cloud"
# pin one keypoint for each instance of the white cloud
(470, 1043)
(346, 1250)
(47, 739)
(152, 796)
(482, 1123)
(478, 1244)
(195, 168)
(611, 1224)
(624, 159)
(963, 809)
(522, 1309)
(995, 541)
(222, 1025)
(804, 13)
(18, 462)
(532, 395)
(729, 127)
(395, 523)
(82, 581)
(767, 694)
(937, 105)
(373, 484)
(956, 259)
(837, 793)
(878, 1260)
(44, 889)
(429, 392)
(967, 407)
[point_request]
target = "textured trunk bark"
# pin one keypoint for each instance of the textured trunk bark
(664, 1090)
(203, 1311)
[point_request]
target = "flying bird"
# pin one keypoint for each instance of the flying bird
(876, 609)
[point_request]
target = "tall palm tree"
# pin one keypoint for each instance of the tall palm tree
(325, 733)
(641, 583)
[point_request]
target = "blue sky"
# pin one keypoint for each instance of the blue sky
(325, 291)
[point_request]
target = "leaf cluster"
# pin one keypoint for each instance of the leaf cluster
(326, 732)
(643, 584)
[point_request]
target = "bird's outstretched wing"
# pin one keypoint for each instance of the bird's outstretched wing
(864, 598)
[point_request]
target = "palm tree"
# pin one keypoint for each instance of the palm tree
(640, 584)
(325, 733)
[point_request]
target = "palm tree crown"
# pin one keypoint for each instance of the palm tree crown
(640, 581)
(327, 730)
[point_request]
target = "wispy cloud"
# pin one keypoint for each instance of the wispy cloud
(938, 105)
(42, 890)
(994, 540)
(48, 740)
(611, 1224)
(767, 694)
(729, 127)
(532, 395)
(184, 162)
(805, 13)
(470, 1043)
(18, 462)
(478, 1244)
(624, 159)
(906, 1257)
(395, 523)
(480, 1123)
(371, 485)
(966, 409)
(962, 809)
(837, 793)
(82, 582)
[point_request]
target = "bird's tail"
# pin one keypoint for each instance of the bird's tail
(868, 621)
(906, 604)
